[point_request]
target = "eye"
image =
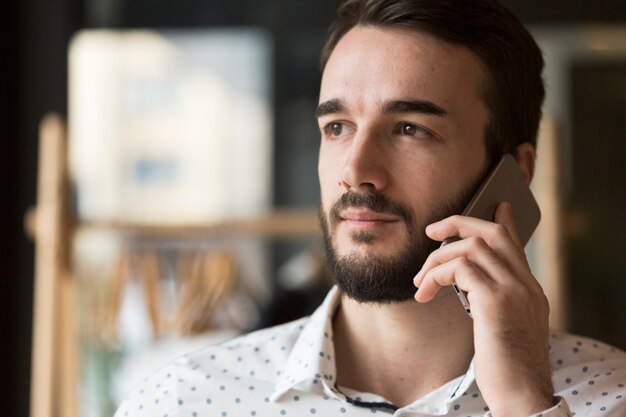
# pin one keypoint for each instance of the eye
(334, 130)
(413, 130)
(409, 129)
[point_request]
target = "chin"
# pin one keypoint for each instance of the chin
(378, 249)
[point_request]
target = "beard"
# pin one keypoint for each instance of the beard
(378, 279)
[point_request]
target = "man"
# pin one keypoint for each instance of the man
(418, 100)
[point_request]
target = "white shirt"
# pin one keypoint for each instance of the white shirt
(289, 370)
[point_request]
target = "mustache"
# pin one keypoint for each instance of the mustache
(372, 200)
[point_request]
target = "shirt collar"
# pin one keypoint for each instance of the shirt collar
(311, 363)
(440, 401)
(311, 367)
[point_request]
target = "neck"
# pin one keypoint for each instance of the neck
(402, 351)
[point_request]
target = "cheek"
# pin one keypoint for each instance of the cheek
(329, 174)
(416, 175)
(425, 185)
(328, 198)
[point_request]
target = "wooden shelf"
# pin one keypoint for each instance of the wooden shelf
(281, 223)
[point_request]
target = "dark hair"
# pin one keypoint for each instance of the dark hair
(514, 91)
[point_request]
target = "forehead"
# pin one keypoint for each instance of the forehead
(372, 65)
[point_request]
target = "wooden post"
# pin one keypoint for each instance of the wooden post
(49, 226)
(548, 187)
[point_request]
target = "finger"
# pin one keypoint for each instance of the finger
(467, 275)
(496, 235)
(476, 250)
(465, 226)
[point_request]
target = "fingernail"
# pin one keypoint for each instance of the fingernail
(416, 280)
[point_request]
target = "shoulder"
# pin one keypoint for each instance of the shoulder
(589, 374)
(270, 346)
(255, 357)
(570, 350)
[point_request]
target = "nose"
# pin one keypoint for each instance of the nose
(365, 167)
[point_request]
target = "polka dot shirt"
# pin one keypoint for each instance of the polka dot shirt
(289, 370)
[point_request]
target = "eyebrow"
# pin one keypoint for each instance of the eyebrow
(329, 107)
(413, 106)
(395, 106)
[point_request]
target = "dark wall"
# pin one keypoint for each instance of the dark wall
(10, 279)
(33, 43)
(596, 247)
(568, 11)
(33, 81)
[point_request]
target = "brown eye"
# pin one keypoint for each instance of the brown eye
(409, 129)
(413, 131)
(335, 129)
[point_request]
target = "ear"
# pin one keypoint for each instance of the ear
(525, 156)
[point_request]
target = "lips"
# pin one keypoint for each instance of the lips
(367, 210)
(366, 216)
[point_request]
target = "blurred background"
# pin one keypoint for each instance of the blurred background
(144, 250)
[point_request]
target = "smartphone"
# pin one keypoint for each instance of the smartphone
(505, 182)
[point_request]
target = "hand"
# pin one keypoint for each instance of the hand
(510, 310)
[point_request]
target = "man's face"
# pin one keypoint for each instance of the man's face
(402, 122)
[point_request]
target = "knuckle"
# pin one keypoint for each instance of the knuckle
(542, 301)
(455, 218)
(463, 263)
(499, 232)
(477, 243)
(546, 305)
